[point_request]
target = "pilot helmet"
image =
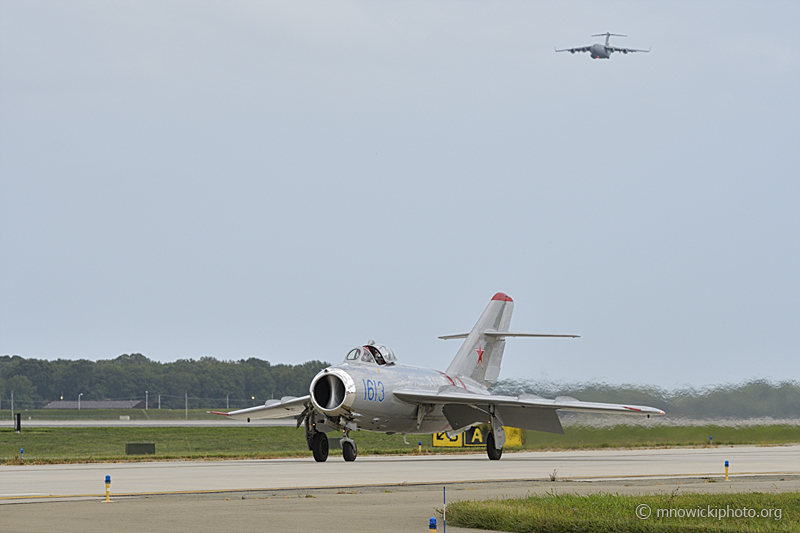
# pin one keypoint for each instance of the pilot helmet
(385, 351)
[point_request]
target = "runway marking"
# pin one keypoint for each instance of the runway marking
(380, 485)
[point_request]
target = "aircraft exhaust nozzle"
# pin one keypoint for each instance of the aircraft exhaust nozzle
(333, 392)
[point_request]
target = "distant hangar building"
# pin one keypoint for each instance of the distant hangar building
(94, 404)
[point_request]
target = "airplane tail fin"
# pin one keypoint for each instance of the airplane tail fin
(608, 35)
(480, 356)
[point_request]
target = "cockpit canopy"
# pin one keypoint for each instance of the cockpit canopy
(371, 353)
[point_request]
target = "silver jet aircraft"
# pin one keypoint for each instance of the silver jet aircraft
(371, 391)
(600, 51)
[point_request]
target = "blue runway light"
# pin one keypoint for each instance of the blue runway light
(432, 525)
(108, 479)
(726, 463)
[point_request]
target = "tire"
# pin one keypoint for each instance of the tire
(493, 453)
(349, 451)
(320, 447)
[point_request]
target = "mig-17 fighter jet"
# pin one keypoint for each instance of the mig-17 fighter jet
(603, 51)
(371, 391)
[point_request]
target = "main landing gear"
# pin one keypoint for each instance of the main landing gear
(317, 440)
(496, 438)
(491, 450)
(319, 446)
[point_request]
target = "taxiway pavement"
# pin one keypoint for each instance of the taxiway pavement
(38, 482)
(388, 509)
(387, 494)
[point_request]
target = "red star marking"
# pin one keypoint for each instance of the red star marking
(480, 355)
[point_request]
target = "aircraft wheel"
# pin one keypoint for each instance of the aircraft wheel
(320, 447)
(349, 450)
(493, 453)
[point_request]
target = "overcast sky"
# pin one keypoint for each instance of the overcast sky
(284, 180)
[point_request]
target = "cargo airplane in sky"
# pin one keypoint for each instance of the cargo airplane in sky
(371, 391)
(603, 51)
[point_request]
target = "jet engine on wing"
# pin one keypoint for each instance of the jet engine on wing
(333, 392)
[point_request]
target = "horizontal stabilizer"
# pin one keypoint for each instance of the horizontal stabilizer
(501, 334)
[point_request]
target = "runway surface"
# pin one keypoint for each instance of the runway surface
(387, 494)
(36, 482)
(388, 509)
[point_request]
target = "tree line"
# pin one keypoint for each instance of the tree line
(752, 399)
(208, 382)
(211, 383)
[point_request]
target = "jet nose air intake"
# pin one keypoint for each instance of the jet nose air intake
(329, 392)
(332, 391)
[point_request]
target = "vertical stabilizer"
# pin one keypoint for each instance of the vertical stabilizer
(608, 35)
(480, 356)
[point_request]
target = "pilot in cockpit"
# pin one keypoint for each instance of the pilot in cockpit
(372, 353)
(376, 354)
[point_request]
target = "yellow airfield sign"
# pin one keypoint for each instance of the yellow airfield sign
(441, 439)
(476, 436)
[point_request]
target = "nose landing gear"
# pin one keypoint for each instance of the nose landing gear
(349, 448)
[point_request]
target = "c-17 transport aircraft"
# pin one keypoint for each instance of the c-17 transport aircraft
(371, 391)
(600, 51)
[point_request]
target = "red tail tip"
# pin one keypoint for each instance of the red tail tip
(503, 297)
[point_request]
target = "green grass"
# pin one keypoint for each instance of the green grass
(583, 437)
(561, 513)
(64, 444)
(106, 444)
(110, 414)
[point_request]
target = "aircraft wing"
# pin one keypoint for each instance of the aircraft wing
(463, 408)
(573, 50)
(622, 50)
(283, 408)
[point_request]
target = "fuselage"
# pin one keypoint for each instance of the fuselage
(363, 393)
(599, 51)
